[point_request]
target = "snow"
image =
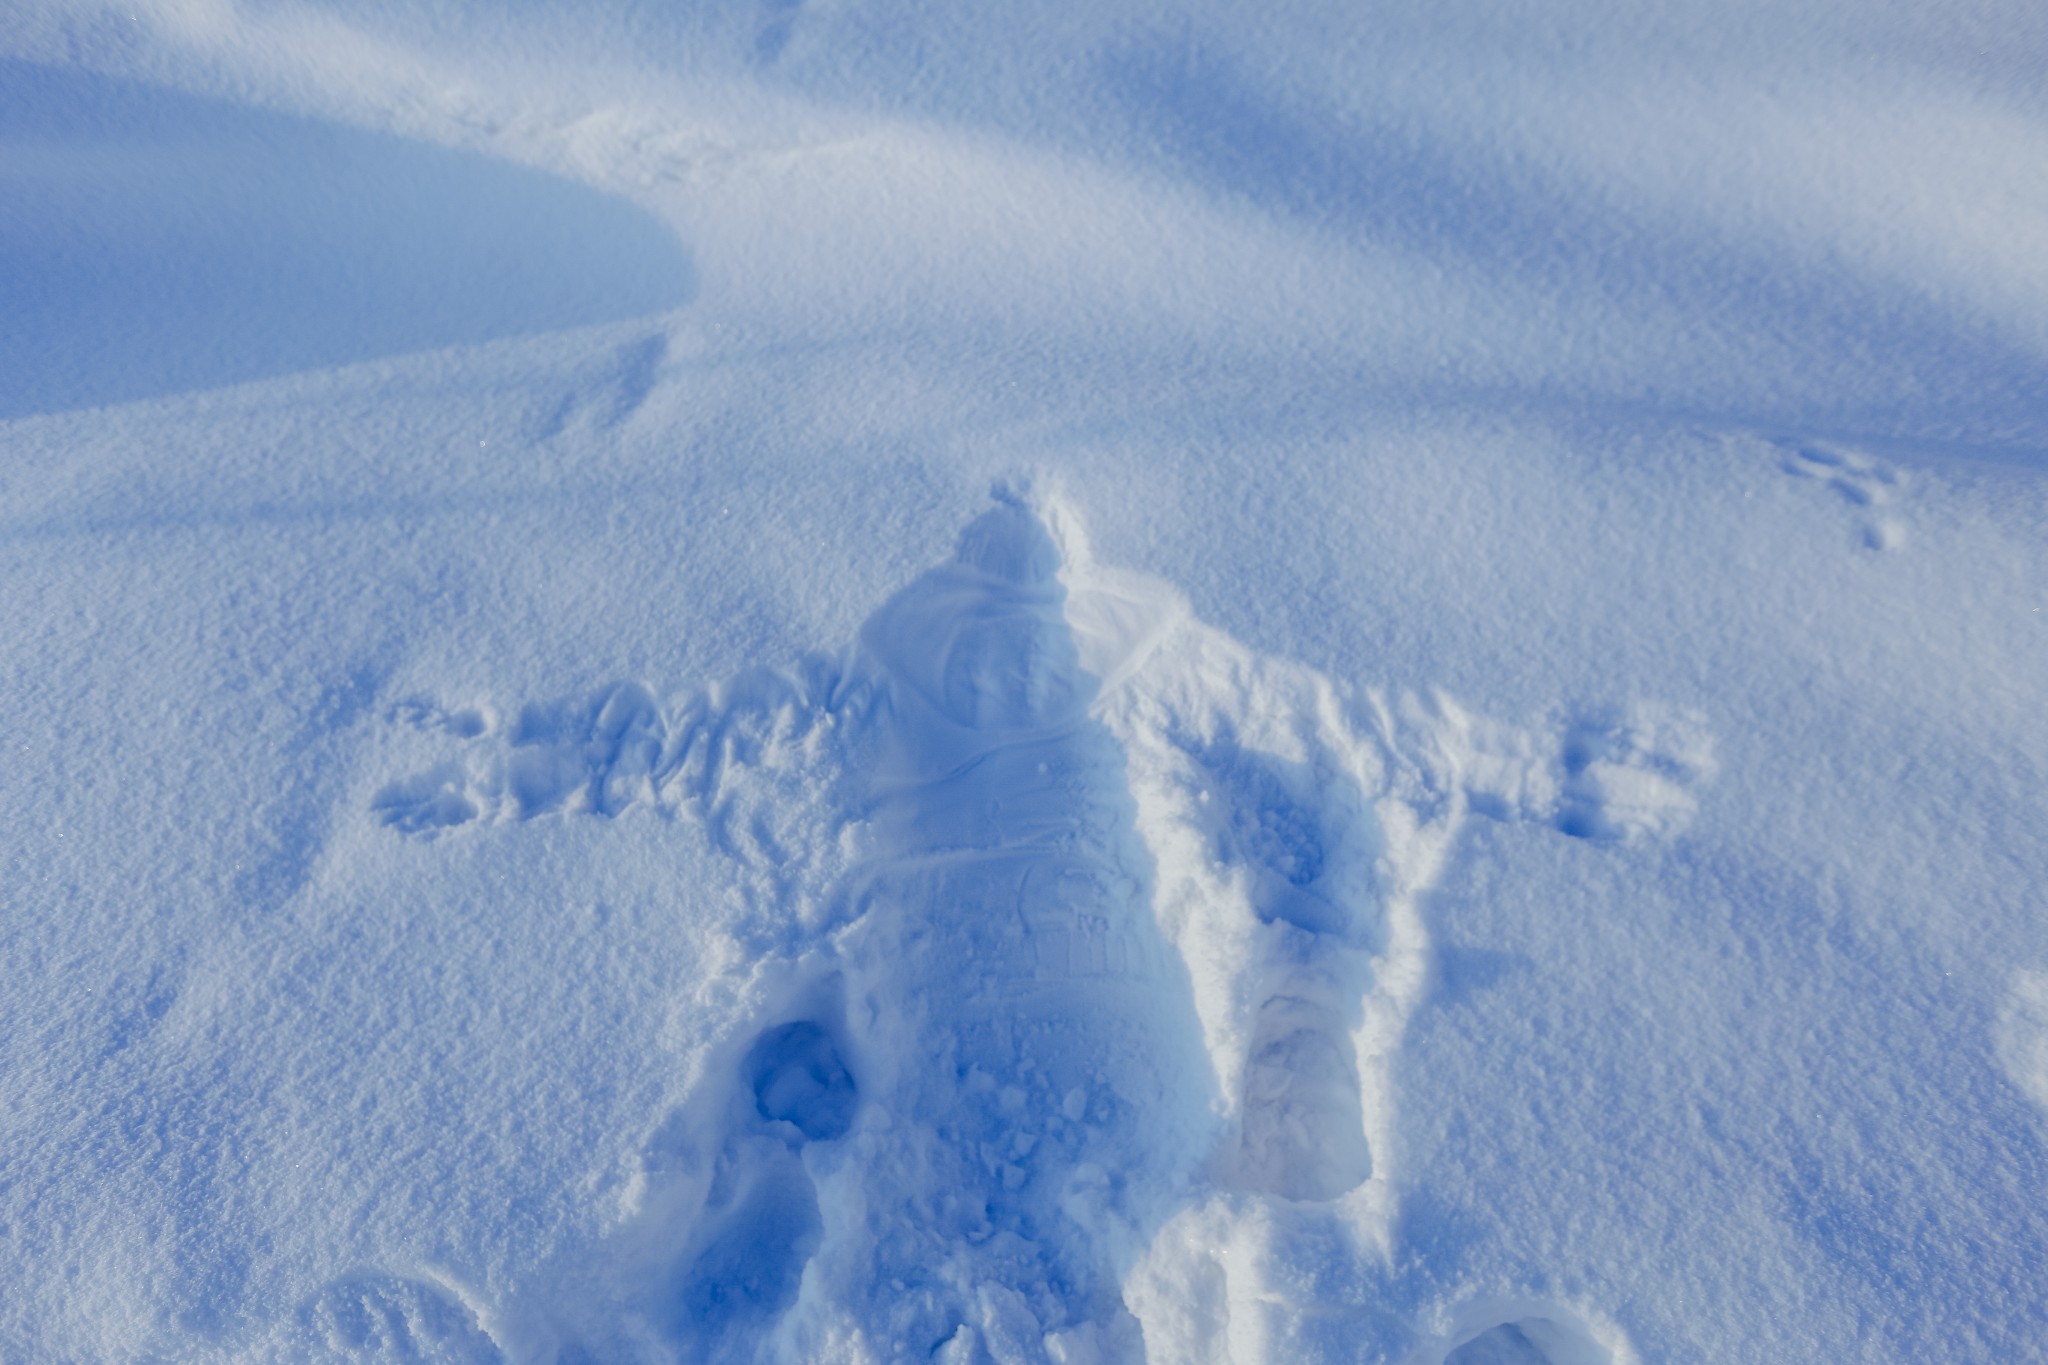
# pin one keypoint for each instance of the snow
(811, 681)
(158, 243)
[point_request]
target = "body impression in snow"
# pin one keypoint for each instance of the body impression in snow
(1097, 932)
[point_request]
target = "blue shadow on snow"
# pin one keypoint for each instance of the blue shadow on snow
(153, 243)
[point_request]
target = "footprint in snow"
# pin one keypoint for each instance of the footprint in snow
(387, 1318)
(1533, 1334)
(760, 1221)
(1860, 480)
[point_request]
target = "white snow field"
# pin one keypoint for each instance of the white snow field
(823, 681)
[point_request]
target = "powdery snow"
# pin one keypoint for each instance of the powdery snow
(808, 682)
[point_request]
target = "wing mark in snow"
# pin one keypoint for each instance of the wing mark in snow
(743, 760)
(1611, 773)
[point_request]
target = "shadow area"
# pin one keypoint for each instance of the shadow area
(153, 242)
(1819, 322)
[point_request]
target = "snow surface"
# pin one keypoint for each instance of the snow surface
(814, 681)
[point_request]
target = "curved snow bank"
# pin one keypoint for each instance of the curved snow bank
(1794, 225)
(151, 243)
